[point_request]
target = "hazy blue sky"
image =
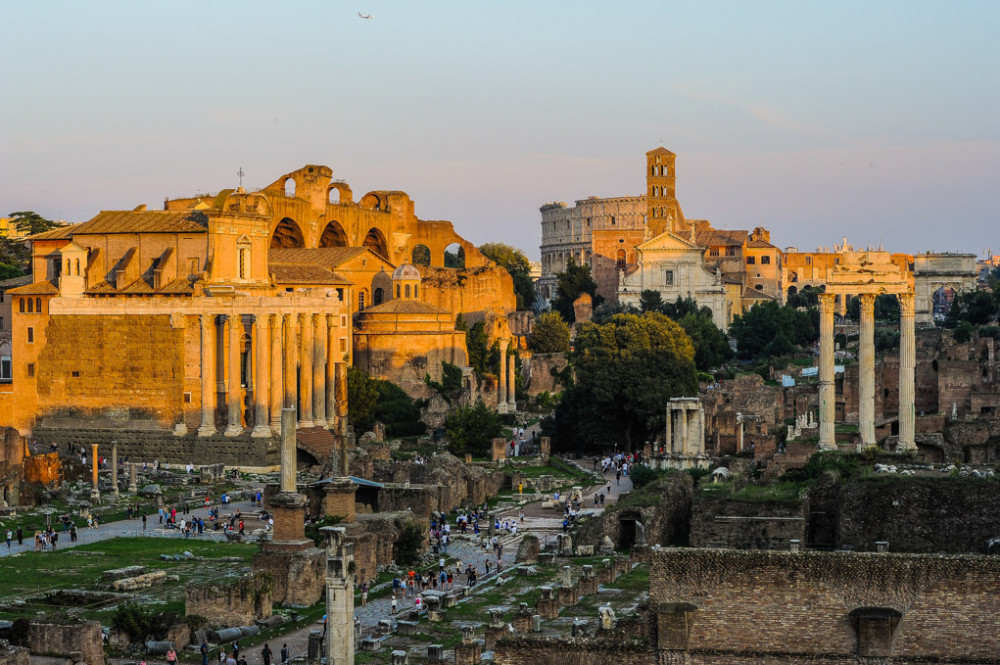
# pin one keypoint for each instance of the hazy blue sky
(876, 120)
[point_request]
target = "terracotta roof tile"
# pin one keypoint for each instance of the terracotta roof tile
(329, 257)
(285, 273)
(62, 233)
(46, 288)
(101, 287)
(143, 221)
(402, 306)
(138, 286)
(14, 282)
(179, 285)
(760, 244)
(754, 294)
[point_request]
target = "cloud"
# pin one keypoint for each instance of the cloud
(759, 112)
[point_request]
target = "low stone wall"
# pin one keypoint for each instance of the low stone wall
(237, 602)
(162, 445)
(745, 525)
(82, 642)
(12, 655)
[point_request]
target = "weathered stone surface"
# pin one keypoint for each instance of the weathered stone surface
(528, 550)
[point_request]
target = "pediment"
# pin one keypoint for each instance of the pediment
(667, 241)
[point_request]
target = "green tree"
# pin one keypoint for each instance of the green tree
(711, 346)
(609, 310)
(626, 370)
(807, 296)
(471, 429)
(650, 301)
(976, 307)
(29, 222)
(758, 332)
(550, 334)
(397, 410)
(9, 271)
(570, 285)
(362, 397)
(483, 358)
(516, 263)
(450, 385)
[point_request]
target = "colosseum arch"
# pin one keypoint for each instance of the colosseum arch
(287, 234)
(421, 255)
(333, 236)
(376, 241)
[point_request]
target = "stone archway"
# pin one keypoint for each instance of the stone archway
(421, 256)
(287, 234)
(333, 235)
(375, 240)
(454, 256)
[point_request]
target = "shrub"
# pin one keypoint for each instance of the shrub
(642, 475)
(406, 549)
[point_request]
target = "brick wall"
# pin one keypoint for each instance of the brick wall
(746, 525)
(53, 639)
(799, 605)
(238, 602)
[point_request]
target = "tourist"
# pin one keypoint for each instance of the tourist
(204, 652)
(284, 654)
(364, 601)
(10, 538)
(265, 654)
(20, 536)
(144, 522)
(171, 657)
(394, 606)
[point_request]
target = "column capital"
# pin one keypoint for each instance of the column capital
(906, 304)
(827, 303)
(867, 299)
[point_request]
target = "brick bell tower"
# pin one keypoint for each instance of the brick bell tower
(663, 213)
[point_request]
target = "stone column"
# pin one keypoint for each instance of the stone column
(319, 371)
(288, 452)
(827, 387)
(235, 324)
(907, 362)
(291, 361)
(340, 434)
(132, 487)
(114, 468)
(95, 494)
(684, 429)
(339, 597)
(207, 375)
(701, 433)
(277, 375)
(262, 389)
(331, 373)
(511, 386)
(866, 380)
(668, 442)
(305, 371)
(739, 437)
(502, 391)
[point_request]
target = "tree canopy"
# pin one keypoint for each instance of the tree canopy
(570, 285)
(711, 346)
(14, 253)
(516, 263)
(549, 334)
(370, 399)
(976, 307)
(769, 330)
(626, 370)
(471, 429)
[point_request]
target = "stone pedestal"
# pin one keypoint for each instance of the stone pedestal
(338, 499)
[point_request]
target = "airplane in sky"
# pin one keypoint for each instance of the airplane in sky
(360, 15)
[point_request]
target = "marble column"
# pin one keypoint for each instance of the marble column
(207, 375)
(511, 385)
(235, 324)
(319, 371)
(340, 434)
(114, 468)
(276, 328)
(684, 430)
(907, 362)
(866, 375)
(502, 389)
(262, 367)
(288, 450)
(339, 644)
(701, 433)
(827, 387)
(739, 437)
(291, 364)
(331, 373)
(95, 494)
(305, 371)
(132, 487)
(668, 442)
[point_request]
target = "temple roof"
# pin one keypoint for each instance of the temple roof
(132, 221)
(292, 273)
(716, 237)
(404, 306)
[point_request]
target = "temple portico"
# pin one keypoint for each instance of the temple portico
(249, 357)
(685, 434)
(868, 279)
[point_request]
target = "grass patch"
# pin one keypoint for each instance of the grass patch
(635, 580)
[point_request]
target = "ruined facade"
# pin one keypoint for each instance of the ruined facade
(186, 330)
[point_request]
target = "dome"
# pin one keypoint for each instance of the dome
(406, 271)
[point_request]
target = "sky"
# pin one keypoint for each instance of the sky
(877, 121)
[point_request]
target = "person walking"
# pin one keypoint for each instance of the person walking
(265, 654)
(204, 652)
(394, 606)
(171, 657)
(10, 537)
(284, 654)
(20, 536)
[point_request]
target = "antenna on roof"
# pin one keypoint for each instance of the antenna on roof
(240, 173)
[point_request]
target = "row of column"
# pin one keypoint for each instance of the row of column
(866, 382)
(506, 392)
(293, 364)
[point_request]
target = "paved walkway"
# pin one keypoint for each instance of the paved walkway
(132, 528)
